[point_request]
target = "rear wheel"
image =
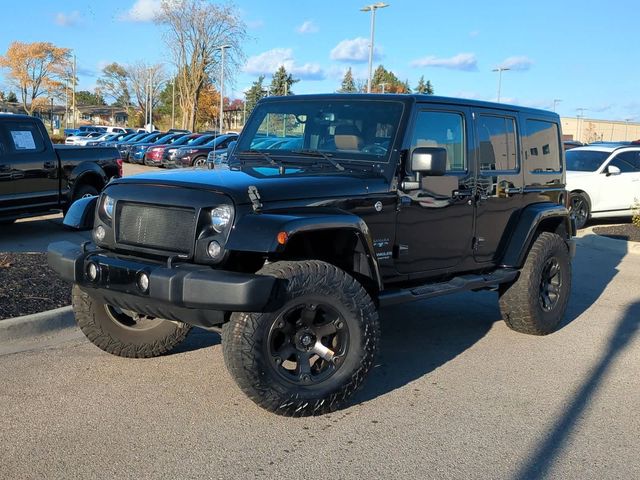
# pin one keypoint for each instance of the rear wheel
(536, 302)
(124, 333)
(580, 208)
(199, 162)
(311, 355)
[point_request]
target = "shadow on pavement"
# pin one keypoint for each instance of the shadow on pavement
(419, 337)
(538, 465)
(34, 235)
(197, 339)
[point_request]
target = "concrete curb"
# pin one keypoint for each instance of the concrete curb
(599, 242)
(38, 324)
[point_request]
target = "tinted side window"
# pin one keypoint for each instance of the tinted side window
(624, 162)
(442, 129)
(22, 137)
(498, 146)
(542, 146)
(632, 158)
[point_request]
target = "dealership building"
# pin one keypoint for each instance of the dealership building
(591, 130)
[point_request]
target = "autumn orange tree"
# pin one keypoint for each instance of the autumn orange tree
(36, 70)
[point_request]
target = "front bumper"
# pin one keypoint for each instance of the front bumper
(194, 294)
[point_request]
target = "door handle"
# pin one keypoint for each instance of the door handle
(513, 191)
(463, 193)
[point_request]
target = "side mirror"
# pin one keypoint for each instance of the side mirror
(429, 161)
(231, 146)
(613, 170)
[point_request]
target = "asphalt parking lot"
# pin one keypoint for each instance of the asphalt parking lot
(455, 394)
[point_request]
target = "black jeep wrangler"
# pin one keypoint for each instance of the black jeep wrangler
(332, 206)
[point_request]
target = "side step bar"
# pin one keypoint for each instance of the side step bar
(457, 284)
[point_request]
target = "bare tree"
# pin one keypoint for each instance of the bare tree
(146, 78)
(195, 29)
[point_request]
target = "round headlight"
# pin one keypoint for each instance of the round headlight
(214, 249)
(100, 233)
(220, 217)
(107, 206)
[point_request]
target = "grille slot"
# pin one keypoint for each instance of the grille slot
(150, 226)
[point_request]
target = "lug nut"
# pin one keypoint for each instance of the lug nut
(278, 360)
(339, 324)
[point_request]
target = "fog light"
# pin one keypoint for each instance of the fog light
(214, 249)
(92, 271)
(143, 282)
(100, 233)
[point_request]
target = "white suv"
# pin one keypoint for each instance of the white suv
(603, 181)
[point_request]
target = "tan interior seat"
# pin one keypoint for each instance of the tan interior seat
(347, 137)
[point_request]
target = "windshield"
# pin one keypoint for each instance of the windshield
(201, 140)
(585, 160)
(348, 129)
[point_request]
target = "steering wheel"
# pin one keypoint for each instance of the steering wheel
(375, 149)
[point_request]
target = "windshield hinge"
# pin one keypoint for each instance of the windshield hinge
(254, 196)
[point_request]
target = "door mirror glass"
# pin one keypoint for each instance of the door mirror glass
(231, 146)
(429, 161)
(613, 170)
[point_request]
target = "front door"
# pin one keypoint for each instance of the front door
(621, 190)
(28, 170)
(435, 221)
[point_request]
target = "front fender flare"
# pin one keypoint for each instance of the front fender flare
(258, 232)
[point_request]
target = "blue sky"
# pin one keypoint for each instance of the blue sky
(584, 53)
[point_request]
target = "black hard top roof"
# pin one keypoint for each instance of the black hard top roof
(412, 99)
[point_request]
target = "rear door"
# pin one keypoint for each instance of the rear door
(28, 168)
(499, 182)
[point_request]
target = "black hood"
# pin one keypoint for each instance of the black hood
(294, 184)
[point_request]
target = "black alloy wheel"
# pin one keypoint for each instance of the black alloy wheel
(550, 284)
(579, 207)
(307, 343)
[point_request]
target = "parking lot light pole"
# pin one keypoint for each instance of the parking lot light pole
(500, 70)
(173, 103)
(556, 101)
(626, 125)
(222, 49)
(372, 8)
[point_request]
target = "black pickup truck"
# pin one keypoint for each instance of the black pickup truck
(383, 199)
(37, 178)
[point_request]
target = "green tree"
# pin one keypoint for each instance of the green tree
(424, 88)
(85, 97)
(348, 83)
(385, 80)
(254, 94)
(281, 83)
(114, 83)
(12, 97)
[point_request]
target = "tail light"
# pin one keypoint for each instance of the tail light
(119, 163)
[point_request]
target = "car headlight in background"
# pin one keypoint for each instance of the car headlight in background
(107, 206)
(221, 217)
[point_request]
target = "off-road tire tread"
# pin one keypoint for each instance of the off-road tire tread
(84, 308)
(519, 302)
(241, 349)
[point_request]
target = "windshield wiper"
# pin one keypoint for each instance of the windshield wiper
(316, 153)
(256, 153)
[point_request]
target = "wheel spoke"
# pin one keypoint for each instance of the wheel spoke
(554, 270)
(304, 365)
(325, 330)
(285, 352)
(322, 351)
(553, 288)
(308, 316)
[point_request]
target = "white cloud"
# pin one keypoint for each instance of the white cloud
(268, 62)
(462, 61)
(355, 50)
(254, 24)
(307, 27)
(142, 11)
(520, 63)
(68, 19)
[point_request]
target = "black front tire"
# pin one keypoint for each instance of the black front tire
(199, 162)
(266, 354)
(119, 334)
(580, 207)
(536, 302)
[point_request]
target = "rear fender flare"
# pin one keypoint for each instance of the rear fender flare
(534, 218)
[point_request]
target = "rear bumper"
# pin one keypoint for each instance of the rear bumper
(194, 294)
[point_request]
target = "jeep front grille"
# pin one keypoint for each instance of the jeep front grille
(154, 227)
